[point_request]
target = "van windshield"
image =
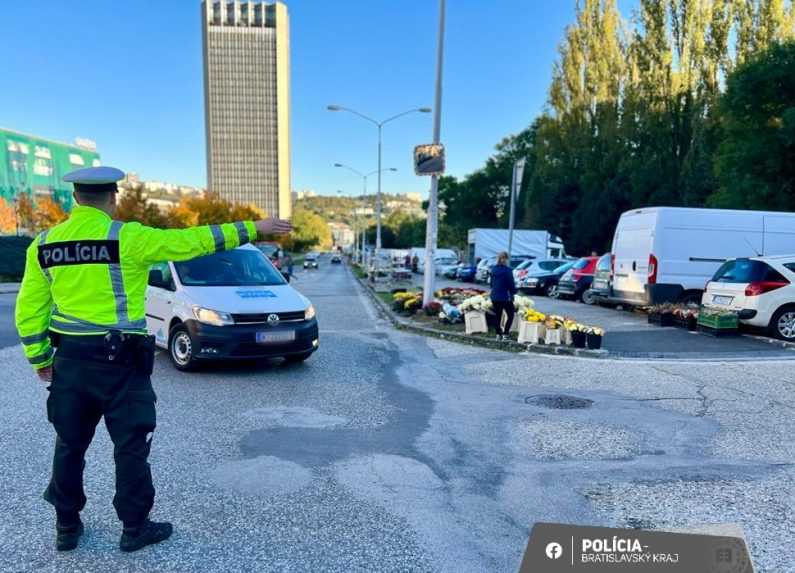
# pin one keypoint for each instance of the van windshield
(238, 267)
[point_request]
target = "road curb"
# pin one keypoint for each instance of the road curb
(506, 346)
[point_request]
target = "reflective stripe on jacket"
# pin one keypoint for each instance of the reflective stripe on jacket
(89, 274)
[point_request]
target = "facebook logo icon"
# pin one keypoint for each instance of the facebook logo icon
(554, 551)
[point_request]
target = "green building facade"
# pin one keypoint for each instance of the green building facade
(36, 166)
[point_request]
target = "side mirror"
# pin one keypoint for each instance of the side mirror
(156, 279)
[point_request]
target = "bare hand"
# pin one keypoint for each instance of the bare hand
(45, 374)
(273, 226)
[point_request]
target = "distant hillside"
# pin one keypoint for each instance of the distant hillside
(340, 209)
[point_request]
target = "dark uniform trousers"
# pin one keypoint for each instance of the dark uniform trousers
(87, 384)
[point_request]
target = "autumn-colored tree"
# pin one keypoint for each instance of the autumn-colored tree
(24, 209)
(8, 217)
(133, 206)
(211, 209)
(48, 213)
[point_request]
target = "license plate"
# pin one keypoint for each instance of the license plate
(279, 337)
(726, 300)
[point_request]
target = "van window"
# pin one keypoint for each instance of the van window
(238, 267)
(746, 271)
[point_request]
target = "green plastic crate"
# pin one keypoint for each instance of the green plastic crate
(719, 321)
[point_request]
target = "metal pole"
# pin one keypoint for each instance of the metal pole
(363, 230)
(433, 202)
(511, 216)
(378, 208)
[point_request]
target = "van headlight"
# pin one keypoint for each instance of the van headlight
(212, 317)
(309, 313)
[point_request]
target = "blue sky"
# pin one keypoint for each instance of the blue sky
(129, 76)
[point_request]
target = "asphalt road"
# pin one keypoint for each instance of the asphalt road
(387, 451)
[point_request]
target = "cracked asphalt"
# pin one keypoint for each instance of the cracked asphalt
(387, 451)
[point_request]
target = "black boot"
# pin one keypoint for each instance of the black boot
(67, 536)
(151, 532)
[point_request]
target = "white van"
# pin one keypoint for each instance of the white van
(229, 305)
(663, 254)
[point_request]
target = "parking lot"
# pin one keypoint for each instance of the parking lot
(629, 335)
(389, 451)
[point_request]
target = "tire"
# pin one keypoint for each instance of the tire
(782, 325)
(297, 358)
(181, 349)
(552, 291)
(588, 297)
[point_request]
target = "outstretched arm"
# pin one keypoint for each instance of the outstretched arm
(149, 245)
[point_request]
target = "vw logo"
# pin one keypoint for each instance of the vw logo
(273, 319)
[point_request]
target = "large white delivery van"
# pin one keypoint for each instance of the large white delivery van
(485, 243)
(229, 305)
(664, 254)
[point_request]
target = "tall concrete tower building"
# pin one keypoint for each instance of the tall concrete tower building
(247, 102)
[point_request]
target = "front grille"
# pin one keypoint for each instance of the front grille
(260, 318)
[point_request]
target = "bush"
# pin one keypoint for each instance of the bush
(12, 257)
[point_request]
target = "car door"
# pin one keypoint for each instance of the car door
(159, 301)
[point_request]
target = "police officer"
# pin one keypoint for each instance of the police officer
(83, 293)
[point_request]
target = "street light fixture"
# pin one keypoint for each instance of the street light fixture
(364, 177)
(379, 125)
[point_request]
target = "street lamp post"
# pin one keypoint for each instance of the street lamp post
(433, 200)
(364, 177)
(379, 125)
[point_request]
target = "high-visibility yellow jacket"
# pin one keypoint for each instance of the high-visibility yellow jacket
(88, 275)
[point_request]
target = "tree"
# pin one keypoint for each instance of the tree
(48, 213)
(24, 210)
(8, 217)
(756, 159)
(133, 206)
(210, 209)
(309, 230)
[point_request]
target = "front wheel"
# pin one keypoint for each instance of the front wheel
(552, 291)
(182, 349)
(782, 325)
(297, 358)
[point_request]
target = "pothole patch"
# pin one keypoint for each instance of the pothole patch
(264, 476)
(559, 401)
(564, 440)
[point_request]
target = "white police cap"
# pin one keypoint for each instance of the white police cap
(94, 176)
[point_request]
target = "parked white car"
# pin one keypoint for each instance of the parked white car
(663, 254)
(226, 306)
(761, 290)
(444, 264)
(484, 269)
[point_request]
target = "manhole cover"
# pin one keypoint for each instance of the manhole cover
(558, 401)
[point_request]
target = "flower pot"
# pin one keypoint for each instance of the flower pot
(531, 332)
(578, 339)
(593, 341)
(475, 321)
(554, 336)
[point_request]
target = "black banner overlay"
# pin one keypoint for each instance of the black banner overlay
(78, 253)
(557, 548)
